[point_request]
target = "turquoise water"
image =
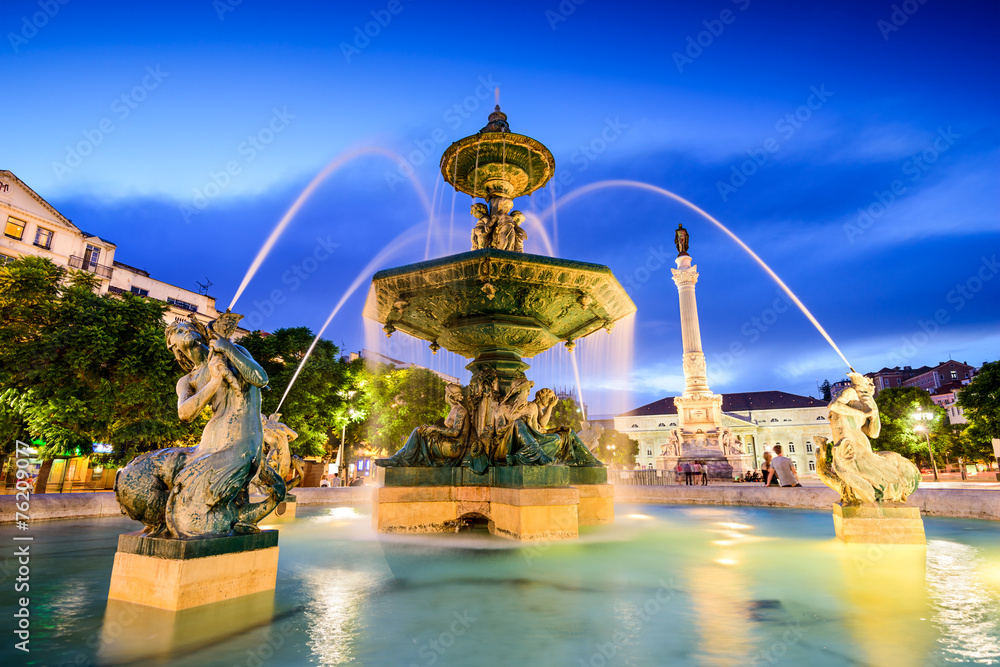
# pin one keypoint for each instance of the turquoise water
(665, 585)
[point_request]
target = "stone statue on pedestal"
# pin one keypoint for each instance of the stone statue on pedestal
(848, 465)
(278, 454)
(186, 492)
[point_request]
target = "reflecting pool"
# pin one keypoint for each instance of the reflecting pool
(665, 585)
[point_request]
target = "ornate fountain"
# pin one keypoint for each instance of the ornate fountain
(496, 458)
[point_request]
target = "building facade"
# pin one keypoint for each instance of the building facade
(932, 379)
(760, 419)
(33, 227)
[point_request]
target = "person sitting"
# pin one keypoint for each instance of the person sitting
(783, 469)
(765, 471)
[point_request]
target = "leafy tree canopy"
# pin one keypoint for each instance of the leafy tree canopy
(319, 402)
(402, 399)
(897, 406)
(980, 403)
(78, 368)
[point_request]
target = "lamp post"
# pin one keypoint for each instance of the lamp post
(928, 416)
(612, 448)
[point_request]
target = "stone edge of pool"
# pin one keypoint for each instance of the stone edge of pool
(954, 503)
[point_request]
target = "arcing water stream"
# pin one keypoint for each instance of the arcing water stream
(592, 187)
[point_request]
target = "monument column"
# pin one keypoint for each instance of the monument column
(695, 376)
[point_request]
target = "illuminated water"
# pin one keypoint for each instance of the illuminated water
(666, 585)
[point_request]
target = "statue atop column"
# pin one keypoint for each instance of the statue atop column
(681, 239)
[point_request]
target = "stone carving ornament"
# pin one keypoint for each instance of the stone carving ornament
(848, 465)
(184, 492)
(497, 225)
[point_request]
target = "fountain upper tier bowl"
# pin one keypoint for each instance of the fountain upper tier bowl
(496, 299)
(497, 163)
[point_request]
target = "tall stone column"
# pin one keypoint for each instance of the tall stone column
(695, 376)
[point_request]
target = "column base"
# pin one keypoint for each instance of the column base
(180, 574)
(878, 524)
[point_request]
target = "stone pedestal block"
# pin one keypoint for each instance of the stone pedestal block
(878, 524)
(597, 504)
(522, 503)
(181, 574)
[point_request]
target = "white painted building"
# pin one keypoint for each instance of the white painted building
(761, 419)
(32, 226)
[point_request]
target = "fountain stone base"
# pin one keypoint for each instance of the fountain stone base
(878, 524)
(527, 503)
(180, 574)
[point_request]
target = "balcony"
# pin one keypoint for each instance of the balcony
(99, 269)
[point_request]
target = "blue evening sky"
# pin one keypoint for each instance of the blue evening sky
(825, 108)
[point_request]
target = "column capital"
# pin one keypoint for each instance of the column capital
(687, 276)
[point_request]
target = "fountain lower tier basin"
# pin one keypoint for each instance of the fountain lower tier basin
(526, 503)
(496, 301)
(664, 584)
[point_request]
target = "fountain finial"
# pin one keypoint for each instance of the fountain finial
(498, 122)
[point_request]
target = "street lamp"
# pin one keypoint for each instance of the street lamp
(922, 416)
(612, 448)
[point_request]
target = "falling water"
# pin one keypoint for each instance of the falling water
(666, 193)
(430, 217)
(329, 169)
(543, 235)
(401, 241)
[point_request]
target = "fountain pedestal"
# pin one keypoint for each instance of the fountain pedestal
(878, 524)
(178, 574)
(527, 503)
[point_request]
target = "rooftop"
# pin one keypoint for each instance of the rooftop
(741, 402)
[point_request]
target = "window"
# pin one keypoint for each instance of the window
(791, 448)
(649, 452)
(91, 258)
(194, 309)
(954, 375)
(821, 418)
(809, 448)
(6, 259)
(43, 238)
(812, 466)
(661, 425)
(139, 292)
(14, 228)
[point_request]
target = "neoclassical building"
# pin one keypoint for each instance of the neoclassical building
(761, 419)
(32, 226)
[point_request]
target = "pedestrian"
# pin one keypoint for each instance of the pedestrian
(687, 473)
(783, 469)
(704, 474)
(679, 470)
(765, 469)
(696, 471)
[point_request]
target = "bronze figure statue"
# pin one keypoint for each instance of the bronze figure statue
(185, 492)
(848, 465)
(681, 239)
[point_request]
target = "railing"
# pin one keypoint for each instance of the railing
(642, 477)
(99, 269)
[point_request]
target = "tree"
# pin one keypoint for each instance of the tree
(567, 413)
(401, 400)
(824, 391)
(77, 367)
(625, 449)
(317, 405)
(896, 408)
(980, 403)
